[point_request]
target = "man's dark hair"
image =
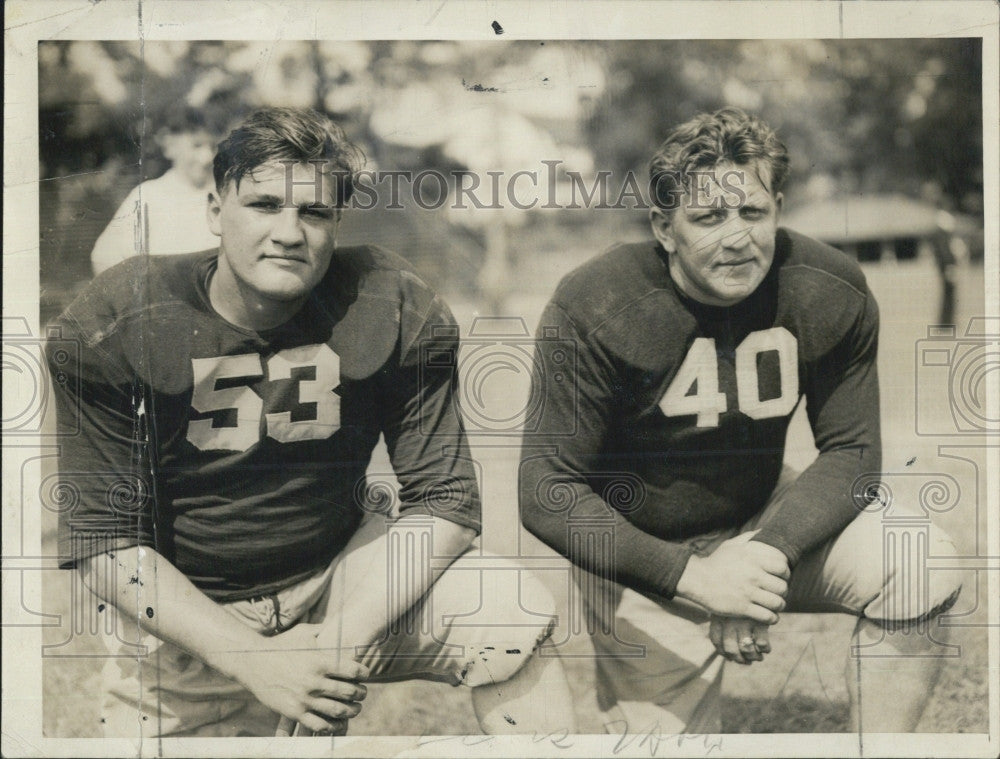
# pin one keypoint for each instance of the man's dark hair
(728, 135)
(289, 134)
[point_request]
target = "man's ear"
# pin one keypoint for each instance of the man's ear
(779, 200)
(214, 212)
(659, 220)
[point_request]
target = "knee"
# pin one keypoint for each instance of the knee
(504, 654)
(492, 664)
(908, 590)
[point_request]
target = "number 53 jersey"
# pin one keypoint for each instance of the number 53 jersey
(241, 455)
(687, 406)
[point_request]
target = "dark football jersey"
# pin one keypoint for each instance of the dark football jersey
(686, 407)
(241, 455)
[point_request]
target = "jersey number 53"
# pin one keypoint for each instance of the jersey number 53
(700, 372)
(316, 370)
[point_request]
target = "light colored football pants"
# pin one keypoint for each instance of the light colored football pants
(477, 624)
(673, 686)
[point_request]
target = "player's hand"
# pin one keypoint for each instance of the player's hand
(741, 578)
(292, 676)
(739, 639)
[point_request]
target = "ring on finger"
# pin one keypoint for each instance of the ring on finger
(747, 643)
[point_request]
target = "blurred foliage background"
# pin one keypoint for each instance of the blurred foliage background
(859, 116)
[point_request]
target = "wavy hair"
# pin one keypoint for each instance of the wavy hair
(288, 134)
(728, 135)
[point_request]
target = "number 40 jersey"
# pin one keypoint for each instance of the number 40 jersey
(241, 455)
(686, 407)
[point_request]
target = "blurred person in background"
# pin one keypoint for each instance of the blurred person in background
(229, 403)
(693, 351)
(166, 215)
(948, 247)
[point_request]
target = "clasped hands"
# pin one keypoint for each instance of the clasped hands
(742, 584)
(291, 674)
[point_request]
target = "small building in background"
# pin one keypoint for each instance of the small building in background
(894, 228)
(886, 227)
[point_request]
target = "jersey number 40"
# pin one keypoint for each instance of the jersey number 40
(700, 372)
(209, 373)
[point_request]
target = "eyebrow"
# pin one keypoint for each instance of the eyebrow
(255, 196)
(753, 199)
(268, 197)
(700, 210)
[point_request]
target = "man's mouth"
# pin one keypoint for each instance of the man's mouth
(737, 262)
(283, 258)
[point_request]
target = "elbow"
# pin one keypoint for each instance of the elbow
(111, 574)
(536, 518)
(530, 518)
(527, 505)
(458, 540)
(96, 573)
(449, 538)
(465, 536)
(544, 492)
(866, 456)
(551, 532)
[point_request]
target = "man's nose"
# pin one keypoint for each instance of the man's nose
(737, 234)
(287, 229)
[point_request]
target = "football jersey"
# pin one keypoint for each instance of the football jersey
(241, 455)
(685, 407)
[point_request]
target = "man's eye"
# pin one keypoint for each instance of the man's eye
(708, 218)
(753, 213)
(318, 212)
(265, 205)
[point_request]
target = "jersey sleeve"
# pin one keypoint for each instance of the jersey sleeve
(422, 425)
(842, 402)
(562, 460)
(118, 240)
(103, 483)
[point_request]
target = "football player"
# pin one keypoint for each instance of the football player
(692, 352)
(229, 402)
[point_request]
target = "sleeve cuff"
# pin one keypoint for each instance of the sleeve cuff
(472, 521)
(792, 553)
(667, 584)
(72, 552)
